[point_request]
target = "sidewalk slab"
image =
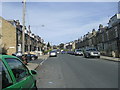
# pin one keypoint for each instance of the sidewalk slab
(110, 58)
(43, 57)
(32, 66)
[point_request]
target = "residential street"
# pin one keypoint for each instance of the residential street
(69, 71)
(60, 44)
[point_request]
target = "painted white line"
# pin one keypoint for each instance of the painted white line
(43, 61)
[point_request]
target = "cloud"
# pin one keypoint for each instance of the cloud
(63, 21)
(69, 34)
(65, 25)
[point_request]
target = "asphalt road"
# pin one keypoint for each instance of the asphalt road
(69, 71)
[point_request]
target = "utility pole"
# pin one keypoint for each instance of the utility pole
(23, 28)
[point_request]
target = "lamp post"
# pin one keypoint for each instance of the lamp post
(29, 39)
(23, 28)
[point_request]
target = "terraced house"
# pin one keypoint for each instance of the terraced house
(11, 37)
(8, 39)
(105, 39)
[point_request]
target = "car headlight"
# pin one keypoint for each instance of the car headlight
(98, 52)
(91, 53)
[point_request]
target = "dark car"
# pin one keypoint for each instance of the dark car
(22, 57)
(63, 52)
(31, 57)
(70, 52)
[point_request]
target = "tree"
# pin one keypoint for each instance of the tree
(48, 45)
(3, 49)
(62, 46)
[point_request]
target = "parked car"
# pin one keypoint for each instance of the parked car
(78, 52)
(31, 57)
(15, 74)
(91, 52)
(18, 54)
(53, 53)
(63, 52)
(22, 57)
(70, 52)
(58, 52)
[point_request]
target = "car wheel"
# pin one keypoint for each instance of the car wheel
(85, 56)
(98, 57)
(88, 56)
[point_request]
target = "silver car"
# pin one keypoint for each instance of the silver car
(91, 52)
(53, 54)
(78, 52)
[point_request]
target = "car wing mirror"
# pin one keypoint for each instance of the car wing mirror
(33, 72)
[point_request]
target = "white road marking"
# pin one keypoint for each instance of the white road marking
(43, 61)
(50, 82)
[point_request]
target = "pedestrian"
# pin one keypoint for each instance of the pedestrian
(24, 59)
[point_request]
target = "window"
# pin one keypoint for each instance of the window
(103, 37)
(116, 32)
(4, 76)
(18, 69)
(107, 35)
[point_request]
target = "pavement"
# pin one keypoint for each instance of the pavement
(43, 57)
(33, 65)
(110, 58)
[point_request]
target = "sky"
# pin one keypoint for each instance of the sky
(63, 21)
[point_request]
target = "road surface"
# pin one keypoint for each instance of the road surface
(69, 71)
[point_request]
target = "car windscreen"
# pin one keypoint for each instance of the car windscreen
(92, 50)
(53, 52)
(78, 50)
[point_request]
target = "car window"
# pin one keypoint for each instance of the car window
(78, 50)
(18, 69)
(4, 76)
(93, 50)
(52, 51)
(88, 50)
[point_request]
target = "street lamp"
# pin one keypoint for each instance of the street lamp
(23, 28)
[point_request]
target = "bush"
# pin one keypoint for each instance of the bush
(45, 52)
(3, 51)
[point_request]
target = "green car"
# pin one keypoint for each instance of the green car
(14, 74)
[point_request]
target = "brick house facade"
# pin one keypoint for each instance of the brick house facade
(105, 39)
(11, 37)
(8, 36)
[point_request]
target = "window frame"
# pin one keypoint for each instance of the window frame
(12, 71)
(8, 73)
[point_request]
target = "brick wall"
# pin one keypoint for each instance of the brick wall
(8, 37)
